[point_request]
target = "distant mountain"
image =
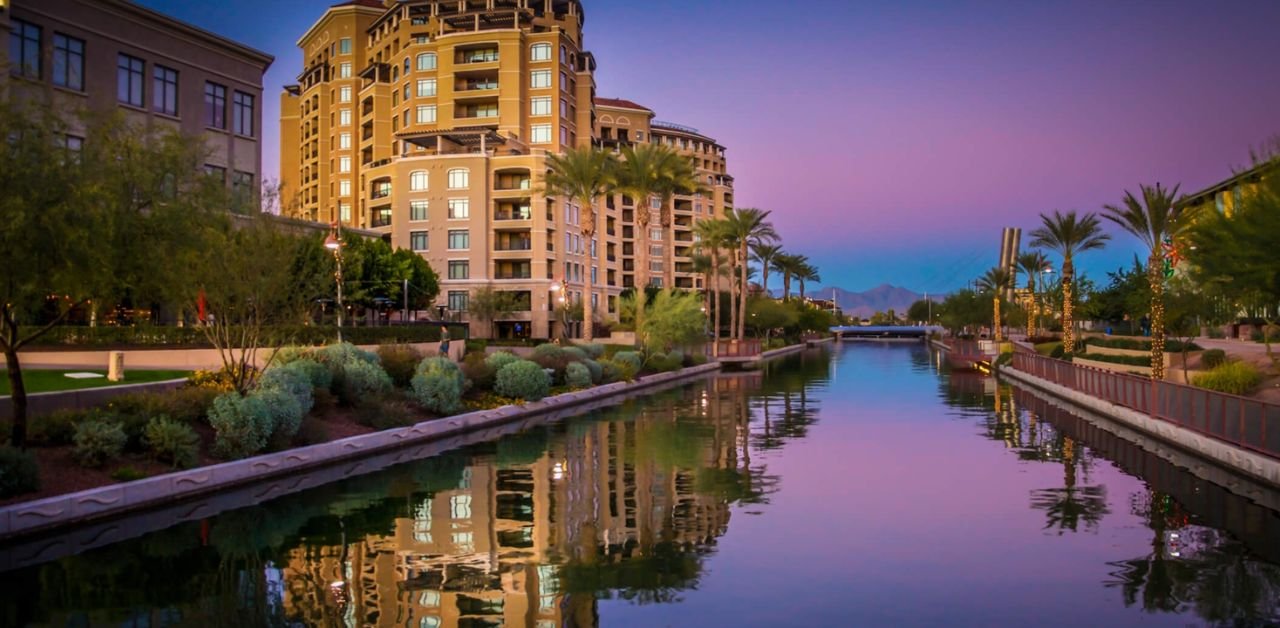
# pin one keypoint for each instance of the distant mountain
(879, 299)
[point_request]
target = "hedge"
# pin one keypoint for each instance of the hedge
(313, 335)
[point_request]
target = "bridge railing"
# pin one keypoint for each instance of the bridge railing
(1246, 423)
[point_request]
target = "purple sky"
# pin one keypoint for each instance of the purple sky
(917, 129)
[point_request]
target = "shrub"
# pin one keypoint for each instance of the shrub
(478, 372)
(19, 472)
(55, 428)
(285, 415)
(616, 370)
(476, 346)
(291, 381)
(597, 373)
(361, 380)
(127, 474)
(574, 353)
(385, 414)
(697, 359)
(222, 380)
(291, 354)
(677, 356)
(609, 372)
(339, 354)
(312, 432)
(630, 358)
(241, 425)
(501, 359)
(172, 441)
(576, 375)
(97, 441)
(399, 361)
(1057, 352)
(189, 404)
(1213, 358)
(320, 375)
(438, 385)
(548, 350)
(662, 363)
(594, 350)
(1216, 333)
(522, 379)
(1236, 378)
(1272, 334)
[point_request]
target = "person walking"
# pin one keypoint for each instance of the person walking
(444, 341)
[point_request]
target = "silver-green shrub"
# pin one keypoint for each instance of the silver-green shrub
(523, 379)
(97, 442)
(438, 385)
(241, 425)
(577, 375)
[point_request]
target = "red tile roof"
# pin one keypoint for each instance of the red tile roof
(618, 102)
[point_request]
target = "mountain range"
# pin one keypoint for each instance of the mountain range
(878, 299)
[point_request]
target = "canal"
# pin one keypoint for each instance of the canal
(858, 486)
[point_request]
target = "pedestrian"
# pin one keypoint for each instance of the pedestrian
(444, 341)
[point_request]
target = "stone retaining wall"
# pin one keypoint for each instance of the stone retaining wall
(39, 404)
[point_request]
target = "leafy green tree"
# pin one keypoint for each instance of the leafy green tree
(1069, 234)
(675, 320)
(963, 309)
(920, 312)
(1153, 220)
(584, 175)
(83, 227)
(488, 304)
(764, 315)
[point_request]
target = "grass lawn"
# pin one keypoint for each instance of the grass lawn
(50, 380)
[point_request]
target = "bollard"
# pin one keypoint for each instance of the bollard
(115, 366)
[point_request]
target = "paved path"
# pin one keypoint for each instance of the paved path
(1233, 346)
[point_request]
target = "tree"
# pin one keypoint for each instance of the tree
(1033, 263)
(583, 174)
(747, 226)
(789, 265)
(642, 174)
(921, 311)
(766, 315)
(424, 285)
(679, 175)
(1154, 220)
(488, 305)
(962, 309)
(1069, 235)
(806, 272)
(713, 238)
(764, 253)
(995, 282)
(83, 227)
(675, 320)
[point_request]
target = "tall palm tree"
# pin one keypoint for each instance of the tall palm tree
(584, 175)
(640, 174)
(1069, 234)
(1033, 263)
(765, 253)
(996, 281)
(747, 226)
(788, 264)
(806, 272)
(711, 236)
(678, 175)
(1153, 219)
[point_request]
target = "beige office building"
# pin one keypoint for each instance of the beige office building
(430, 121)
(114, 54)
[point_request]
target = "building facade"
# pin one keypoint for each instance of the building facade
(430, 121)
(117, 55)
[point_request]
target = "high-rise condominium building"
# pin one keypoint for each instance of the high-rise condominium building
(114, 54)
(430, 121)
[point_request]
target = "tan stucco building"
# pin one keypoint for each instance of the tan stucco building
(114, 54)
(430, 121)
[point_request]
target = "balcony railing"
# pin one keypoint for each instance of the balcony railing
(518, 214)
(515, 274)
(517, 245)
(476, 56)
(381, 219)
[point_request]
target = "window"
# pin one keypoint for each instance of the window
(344, 46)
(540, 79)
(68, 62)
(344, 164)
(459, 179)
(427, 114)
(426, 88)
(564, 110)
(459, 208)
(344, 212)
(344, 70)
(164, 90)
(24, 49)
(215, 106)
(426, 61)
(540, 106)
(460, 507)
(417, 211)
(344, 140)
(217, 172)
(418, 181)
(639, 136)
(129, 80)
(564, 82)
(344, 94)
(540, 52)
(74, 144)
(344, 117)
(459, 269)
(564, 135)
(242, 114)
(407, 94)
(459, 240)
(458, 300)
(418, 240)
(242, 182)
(540, 134)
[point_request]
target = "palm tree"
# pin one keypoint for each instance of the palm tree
(1032, 263)
(747, 226)
(997, 282)
(678, 175)
(806, 272)
(788, 264)
(639, 174)
(765, 253)
(1153, 220)
(1069, 234)
(711, 236)
(583, 174)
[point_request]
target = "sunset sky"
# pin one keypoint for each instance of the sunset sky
(893, 140)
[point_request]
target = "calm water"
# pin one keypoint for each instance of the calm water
(850, 488)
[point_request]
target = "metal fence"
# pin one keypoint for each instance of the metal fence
(1244, 422)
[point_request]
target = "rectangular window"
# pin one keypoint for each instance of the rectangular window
(458, 300)
(418, 181)
(164, 90)
(74, 144)
(426, 88)
(418, 240)
(564, 82)
(344, 140)
(426, 61)
(24, 49)
(540, 106)
(459, 270)
(129, 80)
(564, 135)
(459, 208)
(540, 134)
(459, 179)
(564, 108)
(344, 70)
(215, 106)
(68, 62)
(344, 117)
(344, 46)
(344, 187)
(242, 114)
(459, 240)
(242, 182)
(344, 164)
(344, 212)
(427, 114)
(417, 210)
(344, 94)
(217, 172)
(540, 79)
(540, 52)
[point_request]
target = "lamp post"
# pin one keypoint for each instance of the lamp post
(334, 243)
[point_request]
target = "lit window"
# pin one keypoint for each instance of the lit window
(426, 61)
(640, 138)
(540, 79)
(344, 117)
(540, 134)
(459, 179)
(460, 507)
(459, 240)
(540, 106)
(459, 269)
(426, 88)
(540, 52)
(427, 114)
(344, 94)
(344, 212)
(344, 164)
(344, 187)
(459, 208)
(344, 70)
(68, 60)
(344, 140)
(418, 181)
(418, 240)
(417, 211)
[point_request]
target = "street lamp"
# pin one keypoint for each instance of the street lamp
(558, 306)
(334, 243)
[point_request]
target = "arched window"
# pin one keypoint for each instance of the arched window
(426, 61)
(540, 52)
(459, 179)
(418, 181)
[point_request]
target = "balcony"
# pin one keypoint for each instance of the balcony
(512, 212)
(513, 242)
(514, 271)
(476, 56)
(474, 112)
(476, 85)
(380, 217)
(510, 182)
